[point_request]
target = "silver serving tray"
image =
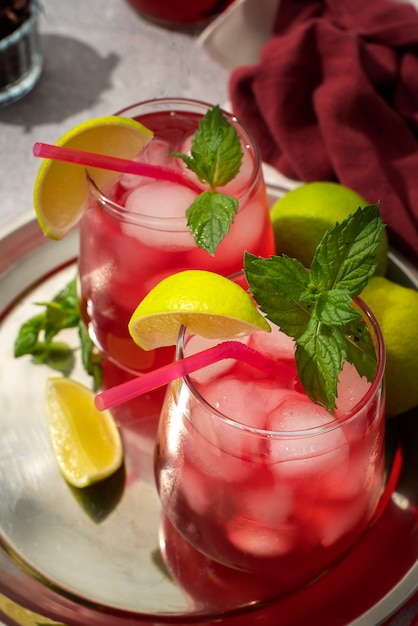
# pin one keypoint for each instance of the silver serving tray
(80, 565)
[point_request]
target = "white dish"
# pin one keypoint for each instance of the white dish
(236, 36)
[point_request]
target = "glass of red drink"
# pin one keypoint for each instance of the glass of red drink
(136, 234)
(256, 476)
(181, 14)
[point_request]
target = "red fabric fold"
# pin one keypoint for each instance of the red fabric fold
(335, 97)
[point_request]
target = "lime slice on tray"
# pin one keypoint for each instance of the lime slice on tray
(85, 441)
(61, 191)
(210, 305)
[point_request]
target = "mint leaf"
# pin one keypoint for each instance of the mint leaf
(360, 349)
(280, 285)
(57, 317)
(346, 254)
(209, 219)
(56, 355)
(320, 355)
(67, 297)
(216, 158)
(36, 336)
(27, 337)
(216, 153)
(316, 307)
(335, 308)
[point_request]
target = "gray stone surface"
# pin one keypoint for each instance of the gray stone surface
(99, 56)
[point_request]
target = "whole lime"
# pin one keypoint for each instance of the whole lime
(395, 308)
(302, 216)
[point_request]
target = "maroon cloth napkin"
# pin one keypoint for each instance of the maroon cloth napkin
(335, 97)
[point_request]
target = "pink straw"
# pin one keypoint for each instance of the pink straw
(115, 164)
(147, 382)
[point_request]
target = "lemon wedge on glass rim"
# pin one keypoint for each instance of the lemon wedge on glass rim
(61, 189)
(86, 442)
(210, 305)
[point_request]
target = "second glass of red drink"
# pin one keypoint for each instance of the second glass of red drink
(258, 477)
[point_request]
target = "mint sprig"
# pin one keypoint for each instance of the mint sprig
(37, 336)
(316, 307)
(216, 158)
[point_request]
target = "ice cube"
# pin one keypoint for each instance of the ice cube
(276, 344)
(305, 453)
(260, 541)
(207, 448)
(160, 198)
(281, 349)
(239, 185)
(224, 450)
(248, 400)
(336, 519)
(297, 413)
(239, 448)
(167, 202)
(186, 148)
(246, 233)
(351, 389)
(194, 486)
(242, 402)
(216, 370)
(270, 504)
(156, 152)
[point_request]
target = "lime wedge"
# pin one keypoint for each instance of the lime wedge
(61, 191)
(85, 441)
(210, 305)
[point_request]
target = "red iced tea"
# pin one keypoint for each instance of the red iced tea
(138, 236)
(260, 478)
(182, 13)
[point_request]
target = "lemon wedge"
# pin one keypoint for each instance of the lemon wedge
(210, 305)
(61, 189)
(85, 441)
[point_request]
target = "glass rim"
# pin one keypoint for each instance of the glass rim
(334, 423)
(179, 223)
(24, 29)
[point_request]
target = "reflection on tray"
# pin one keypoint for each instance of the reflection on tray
(100, 499)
